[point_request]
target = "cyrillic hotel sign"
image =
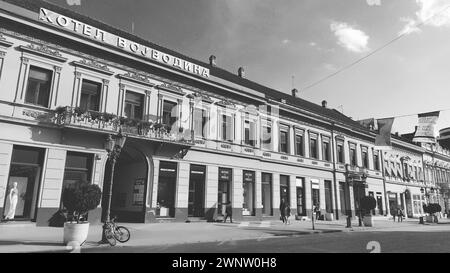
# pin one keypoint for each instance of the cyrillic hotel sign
(85, 30)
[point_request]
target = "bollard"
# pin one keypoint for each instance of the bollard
(421, 220)
(349, 222)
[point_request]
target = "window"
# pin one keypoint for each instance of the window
(266, 196)
(340, 152)
(134, 105)
(227, 133)
(284, 189)
(248, 207)
(284, 139)
(313, 146)
(249, 132)
(39, 85)
(376, 161)
(365, 157)
(328, 197)
(78, 169)
(200, 122)
(90, 96)
(353, 154)
(266, 135)
(326, 149)
(299, 144)
(169, 116)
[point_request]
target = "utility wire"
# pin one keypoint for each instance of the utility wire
(373, 52)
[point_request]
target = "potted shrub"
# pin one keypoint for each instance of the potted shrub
(78, 199)
(368, 203)
(431, 209)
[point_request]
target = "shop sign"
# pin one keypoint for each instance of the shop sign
(224, 174)
(104, 37)
(249, 176)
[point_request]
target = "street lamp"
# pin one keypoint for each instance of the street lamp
(113, 145)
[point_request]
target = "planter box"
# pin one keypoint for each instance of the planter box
(429, 219)
(329, 216)
(368, 221)
(74, 232)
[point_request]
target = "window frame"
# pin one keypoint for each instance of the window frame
(299, 132)
(251, 119)
(266, 123)
(314, 136)
(350, 146)
(285, 129)
(365, 160)
(326, 156)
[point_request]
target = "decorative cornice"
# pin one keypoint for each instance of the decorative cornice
(3, 41)
(94, 65)
(201, 96)
(171, 88)
(226, 103)
(138, 77)
(43, 50)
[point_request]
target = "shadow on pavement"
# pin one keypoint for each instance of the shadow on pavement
(36, 243)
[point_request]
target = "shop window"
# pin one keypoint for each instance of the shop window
(248, 207)
(284, 189)
(224, 189)
(78, 169)
(200, 122)
(90, 96)
(196, 197)
(23, 181)
(328, 197)
(266, 188)
(343, 198)
(39, 86)
(301, 200)
(134, 105)
(166, 189)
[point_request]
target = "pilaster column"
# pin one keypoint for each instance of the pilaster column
(23, 75)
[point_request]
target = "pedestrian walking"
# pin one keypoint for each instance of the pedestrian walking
(288, 215)
(399, 215)
(393, 213)
(283, 211)
(228, 212)
(317, 211)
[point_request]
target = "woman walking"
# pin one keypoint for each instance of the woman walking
(283, 211)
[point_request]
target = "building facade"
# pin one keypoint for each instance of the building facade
(197, 136)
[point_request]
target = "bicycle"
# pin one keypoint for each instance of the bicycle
(114, 233)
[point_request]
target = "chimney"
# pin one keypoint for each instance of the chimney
(294, 92)
(324, 104)
(212, 60)
(241, 72)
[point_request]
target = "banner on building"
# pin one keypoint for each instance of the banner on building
(368, 123)
(383, 138)
(426, 129)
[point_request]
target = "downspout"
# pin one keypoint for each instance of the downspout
(334, 171)
(384, 183)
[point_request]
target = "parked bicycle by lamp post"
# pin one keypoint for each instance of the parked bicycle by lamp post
(113, 232)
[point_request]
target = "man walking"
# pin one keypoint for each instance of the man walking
(228, 212)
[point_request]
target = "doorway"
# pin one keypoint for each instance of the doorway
(223, 193)
(196, 199)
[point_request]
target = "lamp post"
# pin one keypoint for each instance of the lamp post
(113, 145)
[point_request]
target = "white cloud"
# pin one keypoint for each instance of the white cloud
(434, 13)
(350, 38)
(312, 44)
(410, 26)
(373, 2)
(285, 41)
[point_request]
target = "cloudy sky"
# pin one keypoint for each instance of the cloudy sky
(286, 43)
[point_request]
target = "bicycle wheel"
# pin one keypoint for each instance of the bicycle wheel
(109, 235)
(122, 234)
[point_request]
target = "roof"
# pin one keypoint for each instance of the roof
(35, 5)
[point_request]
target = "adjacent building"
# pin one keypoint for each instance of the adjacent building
(197, 136)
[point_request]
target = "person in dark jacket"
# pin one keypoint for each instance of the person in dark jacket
(228, 212)
(283, 211)
(288, 215)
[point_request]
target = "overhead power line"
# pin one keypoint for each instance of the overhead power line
(372, 52)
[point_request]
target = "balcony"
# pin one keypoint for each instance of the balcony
(75, 118)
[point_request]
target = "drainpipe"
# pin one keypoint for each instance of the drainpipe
(384, 182)
(334, 170)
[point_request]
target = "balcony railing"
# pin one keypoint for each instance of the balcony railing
(74, 117)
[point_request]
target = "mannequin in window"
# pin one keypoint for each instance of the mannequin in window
(13, 196)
